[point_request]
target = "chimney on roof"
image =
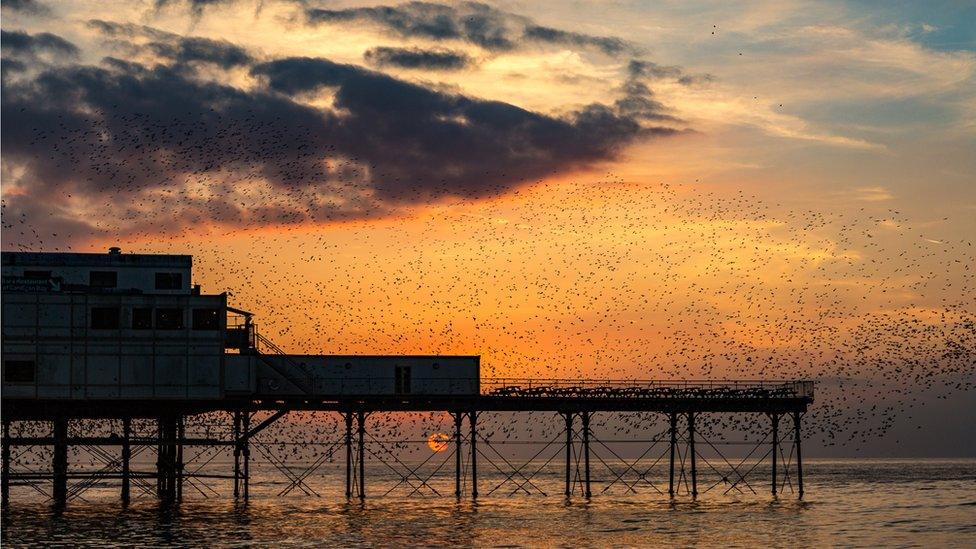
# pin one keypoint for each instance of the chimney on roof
(114, 250)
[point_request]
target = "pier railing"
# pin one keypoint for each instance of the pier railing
(562, 388)
(646, 388)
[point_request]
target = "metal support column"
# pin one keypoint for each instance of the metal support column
(691, 450)
(171, 458)
(799, 459)
(348, 416)
(5, 464)
(674, 443)
(160, 456)
(237, 454)
(60, 462)
(457, 453)
(166, 458)
(569, 453)
(775, 420)
(126, 458)
(473, 419)
(246, 453)
(361, 420)
(178, 472)
(586, 452)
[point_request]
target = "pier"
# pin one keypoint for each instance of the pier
(116, 354)
(683, 404)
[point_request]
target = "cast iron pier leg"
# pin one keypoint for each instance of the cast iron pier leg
(348, 416)
(5, 467)
(166, 458)
(691, 450)
(246, 453)
(60, 462)
(361, 418)
(473, 419)
(126, 457)
(586, 452)
(457, 454)
(775, 418)
(569, 453)
(674, 442)
(799, 459)
(180, 436)
(237, 454)
(159, 457)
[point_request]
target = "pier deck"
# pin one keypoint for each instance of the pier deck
(682, 402)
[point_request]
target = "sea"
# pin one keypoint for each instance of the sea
(847, 503)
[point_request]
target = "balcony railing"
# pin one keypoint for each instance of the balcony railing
(553, 388)
(647, 388)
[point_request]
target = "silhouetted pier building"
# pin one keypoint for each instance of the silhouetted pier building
(125, 336)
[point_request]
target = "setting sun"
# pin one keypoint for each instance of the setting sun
(437, 442)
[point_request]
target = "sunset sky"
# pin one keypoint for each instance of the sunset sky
(603, 189)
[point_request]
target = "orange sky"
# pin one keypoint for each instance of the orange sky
(811, 215)
(574, 278)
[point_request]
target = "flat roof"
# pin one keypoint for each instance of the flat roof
(74, 259)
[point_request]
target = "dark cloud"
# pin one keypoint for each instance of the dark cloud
(637, 99)
(130, 30)
(415, 58)
(450, 144)
(32, 7)
(638, 102)
(607, 44)
(173, 47)
(31, 223)
(641, 69)
(9, 66)
(638, 68)
(196, 7)
(296, 75)
(694, 79)
(479, 24)
(124, 132)
(498, 31)
(26, 45)
(203, 50)
(172, 151)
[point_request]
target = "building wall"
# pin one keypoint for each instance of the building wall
(133, 271)
(337, 375)
(74, 360)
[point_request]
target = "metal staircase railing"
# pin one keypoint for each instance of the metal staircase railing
(304, 383)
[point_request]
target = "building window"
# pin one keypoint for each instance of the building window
(37, 274)
(206, 319)
(103, 279)
(169, 281)
(105, 318)
(141, 318)
(169, 319)
(18, 371)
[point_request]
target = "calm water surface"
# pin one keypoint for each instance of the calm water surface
(866, 503)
